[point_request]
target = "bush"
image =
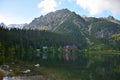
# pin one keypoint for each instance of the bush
(16, 71)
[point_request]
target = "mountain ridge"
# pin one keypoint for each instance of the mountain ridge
(59, 15)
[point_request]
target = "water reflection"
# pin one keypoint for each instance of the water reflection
(5, 78)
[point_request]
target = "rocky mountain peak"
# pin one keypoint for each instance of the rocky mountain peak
(111, 18)
(63, 11)
(49, 20)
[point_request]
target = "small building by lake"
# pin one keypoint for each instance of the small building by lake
(70, 52)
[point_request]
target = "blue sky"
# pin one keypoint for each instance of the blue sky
(24, 11)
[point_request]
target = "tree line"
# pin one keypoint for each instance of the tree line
(27, 45)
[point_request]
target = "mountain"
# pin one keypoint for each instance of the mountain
(2, 25)
(65, 21)
(13, 25)
(53, 20)
(48, 21)
(83, 30)
(16, 25)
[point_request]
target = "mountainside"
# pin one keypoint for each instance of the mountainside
(104, 29)
(63, 22)
(89, 30)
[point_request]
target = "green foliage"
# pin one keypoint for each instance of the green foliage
(117, 69)
(115, 37)
(16, 71)
(2, 60)
(115, 41)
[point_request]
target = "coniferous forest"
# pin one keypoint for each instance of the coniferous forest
(55, 51)
(21, 44)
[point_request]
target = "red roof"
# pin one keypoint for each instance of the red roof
(70, 47)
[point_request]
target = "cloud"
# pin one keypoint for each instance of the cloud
(47, 6)
(98, 6)
(70, 0)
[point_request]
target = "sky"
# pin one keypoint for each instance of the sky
(24, 11)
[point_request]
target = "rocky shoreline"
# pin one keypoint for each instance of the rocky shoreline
(20, 72)
(38, 77)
